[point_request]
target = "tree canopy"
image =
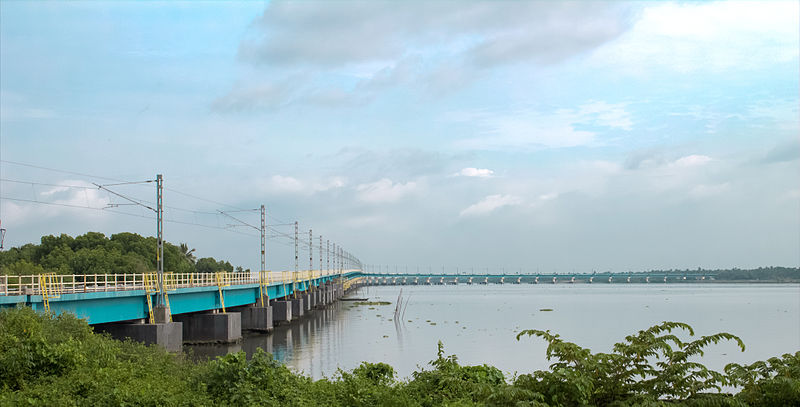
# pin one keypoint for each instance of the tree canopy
(94, 253)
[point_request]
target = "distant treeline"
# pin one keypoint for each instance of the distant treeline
(94, 253)
(779, 274)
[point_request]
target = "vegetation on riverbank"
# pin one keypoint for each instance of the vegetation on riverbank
(761, 274)
(59, 361)
(94, 253)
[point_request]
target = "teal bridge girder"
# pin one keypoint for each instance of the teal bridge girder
(98, 307)
(540, 278)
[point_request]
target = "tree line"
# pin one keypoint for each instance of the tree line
(126, 253)
(95, 253)
(772, 274)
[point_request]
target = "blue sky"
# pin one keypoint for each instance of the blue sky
(559, 136)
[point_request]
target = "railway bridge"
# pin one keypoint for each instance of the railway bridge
(198, 307)
(608, 278)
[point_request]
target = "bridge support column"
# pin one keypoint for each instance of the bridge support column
(298, 308)
(307, 302)
(318, 295)
(210, 328)
(281, 312)
(168, 335)
(256, 318)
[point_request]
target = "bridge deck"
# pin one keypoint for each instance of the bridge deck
(114, 298)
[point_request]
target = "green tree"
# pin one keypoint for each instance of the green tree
(22, 268)
(188, 254)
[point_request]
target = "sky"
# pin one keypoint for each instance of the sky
(516, 136)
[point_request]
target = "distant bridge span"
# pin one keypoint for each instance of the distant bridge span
(444, 279)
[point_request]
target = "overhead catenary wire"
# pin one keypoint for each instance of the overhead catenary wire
(92, 188)
(276, 234)
(61, 171)
(106, 209)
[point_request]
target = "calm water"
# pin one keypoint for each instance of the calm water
(478, 323)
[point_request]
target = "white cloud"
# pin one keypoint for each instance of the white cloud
(694, 160)
(474, 172)
(490, 33)
(384, 190)
(605, 114)
(489, 204)
(533, 129)
(442, 45)
(286, 184)
(530, 130)
(332, 183)
(548, 197)
(723, 35)
(71, 197)
(289, 184)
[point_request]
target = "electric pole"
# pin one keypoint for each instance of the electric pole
(160, 239)
(261, 274)
(263, 239)
(296, 265)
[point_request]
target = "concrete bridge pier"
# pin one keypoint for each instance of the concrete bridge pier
(211, 327)
(298, 308)
(168, 335)
(318, 297)
(307, 305)
(281, 312)
(256, 318)
(323, 295)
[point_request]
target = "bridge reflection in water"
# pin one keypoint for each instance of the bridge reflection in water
(285, 342)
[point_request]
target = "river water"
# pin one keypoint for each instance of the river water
(478, 323)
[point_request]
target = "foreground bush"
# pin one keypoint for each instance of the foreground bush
(59, 361)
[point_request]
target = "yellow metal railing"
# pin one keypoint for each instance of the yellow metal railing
(150, 282)
(263, 287)
(86, 283)
(50, 288)
(223, 280)
(347, 284)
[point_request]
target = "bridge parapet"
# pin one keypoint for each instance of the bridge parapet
(85, 283)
